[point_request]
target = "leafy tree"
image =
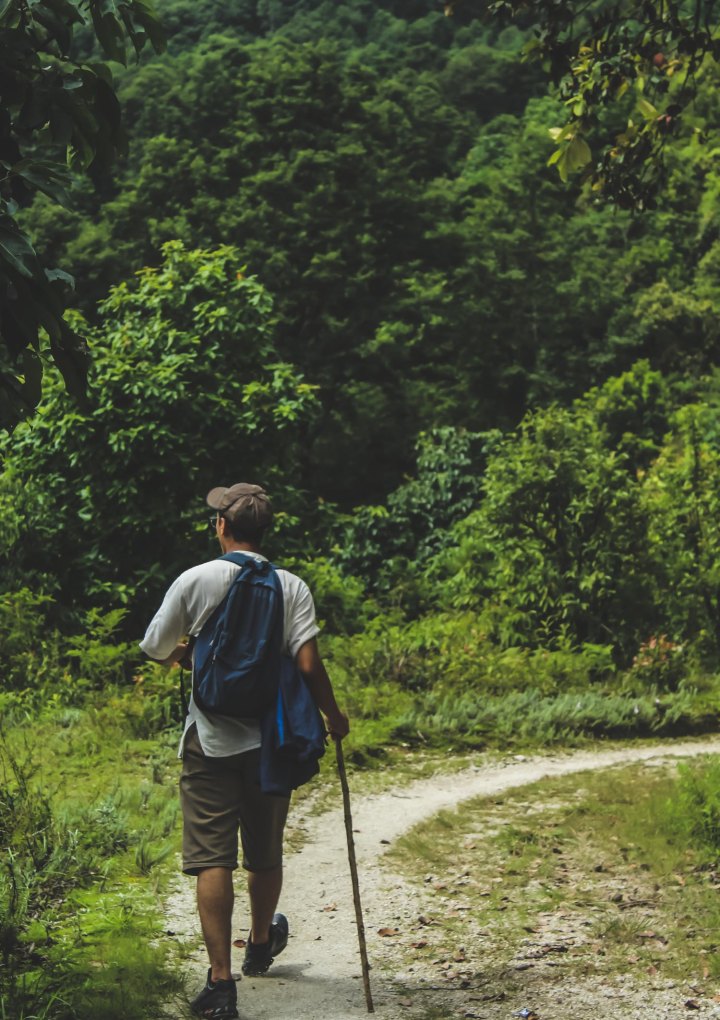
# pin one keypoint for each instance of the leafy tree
(317, 171)
(640, 63)
(388, 183)
(634, 410)
(186, 392)
(556, 553)
(382, 544)
(681, 495)
(58, 115)
(512, 306)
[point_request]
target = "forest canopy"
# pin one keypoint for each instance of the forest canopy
(338, 259)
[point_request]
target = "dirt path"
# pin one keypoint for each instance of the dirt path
(318, 976)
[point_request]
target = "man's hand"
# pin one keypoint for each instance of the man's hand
(338, 726)
(186, 659)
(312, 668)
(181, 655)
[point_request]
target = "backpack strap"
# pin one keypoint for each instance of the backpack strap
(241, 559)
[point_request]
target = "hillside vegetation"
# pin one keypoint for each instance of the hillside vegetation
(487, 408)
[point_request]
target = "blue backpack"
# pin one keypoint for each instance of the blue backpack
(293, 736)
(236, 660)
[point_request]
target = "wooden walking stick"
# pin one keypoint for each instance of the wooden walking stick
(354, 874)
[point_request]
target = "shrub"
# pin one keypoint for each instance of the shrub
(681, 498)
(452, 651)
(381, 544)
(695, 809)
(29, 652)
(42, 862)
(659, 663)
(557, 550)
(340, 600)
(120, 504)
(530, 717)
(98, 657)
(153, 704)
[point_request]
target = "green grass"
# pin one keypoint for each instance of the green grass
(89, 823)
(598, 872)
(89, 936)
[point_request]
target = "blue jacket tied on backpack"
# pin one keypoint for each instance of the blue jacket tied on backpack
(293, 735)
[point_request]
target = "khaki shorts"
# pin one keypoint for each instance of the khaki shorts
(220, 796)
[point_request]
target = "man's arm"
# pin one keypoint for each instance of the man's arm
(164, 640)
(313, 669)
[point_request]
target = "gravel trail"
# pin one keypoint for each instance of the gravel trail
(318, 976)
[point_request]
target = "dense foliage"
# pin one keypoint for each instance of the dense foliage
(626, 73)
(384, 176)
(370, 292)
(58, 115)
(336, 261)
(185, 382)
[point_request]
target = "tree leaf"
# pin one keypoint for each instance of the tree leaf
(110, 35)
(72, 358)
(53, 179)
(32, 373)
(578, 153)
(53, 275)
(16, 250)
(647, 109)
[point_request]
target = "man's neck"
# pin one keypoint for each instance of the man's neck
(245, 547)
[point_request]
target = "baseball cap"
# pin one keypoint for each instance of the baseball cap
(242, 503)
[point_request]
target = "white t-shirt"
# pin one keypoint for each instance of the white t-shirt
(189, 602)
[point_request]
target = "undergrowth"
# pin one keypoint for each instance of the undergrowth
(439, 681)
(88, 807)
(80, 925)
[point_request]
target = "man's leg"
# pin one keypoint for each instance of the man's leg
(215, 898)
(218, 998)
(264, 888)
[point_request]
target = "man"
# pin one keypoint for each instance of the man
(218, 786)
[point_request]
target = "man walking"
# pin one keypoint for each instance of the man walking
(219, 783)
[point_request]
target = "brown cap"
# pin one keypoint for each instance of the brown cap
(242, 503)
